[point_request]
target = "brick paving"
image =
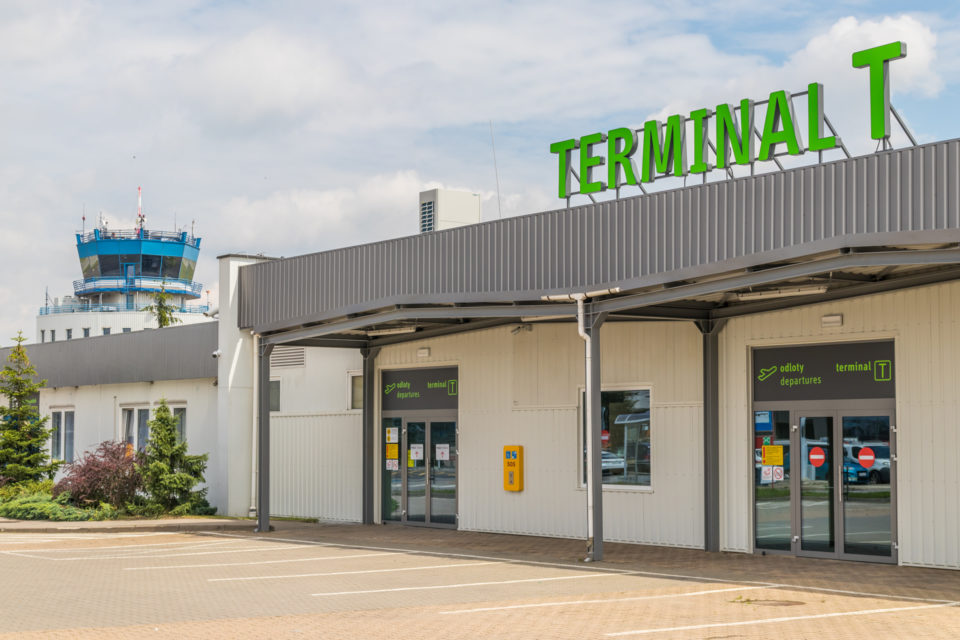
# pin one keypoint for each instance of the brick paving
(352, 581)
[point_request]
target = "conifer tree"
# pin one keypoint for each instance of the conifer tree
(23, 432)
(169, 474)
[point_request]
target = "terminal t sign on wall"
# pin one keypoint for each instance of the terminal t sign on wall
(665, 149)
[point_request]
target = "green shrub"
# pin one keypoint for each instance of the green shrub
(42, 506)
(25, 488)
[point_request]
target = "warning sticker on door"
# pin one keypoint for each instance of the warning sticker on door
(443, 452)
(393, 434)
(778, 474)
(393, 451)
(766, 475)
(772, 455)
(416, 452)
(393, 465)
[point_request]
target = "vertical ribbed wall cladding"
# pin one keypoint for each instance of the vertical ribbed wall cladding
(630, 242)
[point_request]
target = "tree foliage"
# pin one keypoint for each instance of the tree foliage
(169, 473)
(161, 309)
(106, 475)
(23, 432)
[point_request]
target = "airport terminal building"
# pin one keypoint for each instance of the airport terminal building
(771, 365)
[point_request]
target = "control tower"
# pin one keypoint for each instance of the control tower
(122, 271)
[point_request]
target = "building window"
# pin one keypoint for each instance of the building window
(136, 431)
(43, 335)
(274, 395)
(356, 390)
(126, 329)
(53, 335)
(86, 332)
(625, 452)
(180, 413)
(69, 334)
(427, 217)
(106, 331)
(61, 436)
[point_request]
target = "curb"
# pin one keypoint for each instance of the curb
(149, 527)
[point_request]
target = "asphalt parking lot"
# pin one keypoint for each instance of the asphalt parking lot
(349, 581)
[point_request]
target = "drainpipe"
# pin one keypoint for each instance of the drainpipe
(254, 426)
(580, 298)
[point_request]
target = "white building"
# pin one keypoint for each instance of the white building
(446, 209)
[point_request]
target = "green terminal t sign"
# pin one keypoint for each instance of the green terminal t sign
(663, 150)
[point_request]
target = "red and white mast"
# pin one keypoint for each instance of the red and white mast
(140, 218)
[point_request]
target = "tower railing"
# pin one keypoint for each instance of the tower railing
(139, 283)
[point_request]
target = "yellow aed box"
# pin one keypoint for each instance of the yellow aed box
(513, 468)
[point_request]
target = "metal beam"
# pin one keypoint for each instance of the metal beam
(420, 313)
(710, 330)
(474, 325)
(803, 269)
(369, 429)
(890, 284)
(263, 440)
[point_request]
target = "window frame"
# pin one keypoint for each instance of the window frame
(351, 374)
(270, 395)
(135, 408)
(582, 446)
(59, 433)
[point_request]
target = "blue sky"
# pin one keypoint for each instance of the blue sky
(290, 127)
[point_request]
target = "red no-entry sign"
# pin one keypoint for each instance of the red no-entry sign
(866, 457)
(817, 456)
(604, 436)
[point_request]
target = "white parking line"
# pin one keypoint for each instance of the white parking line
(186, 544)
(611, 570)
(151, 557)
(349, 573)
(742, 623)
(565, 603)
(240, 564)
(472, 584)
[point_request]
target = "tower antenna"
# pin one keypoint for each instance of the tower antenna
(140, 216)
(496, 173)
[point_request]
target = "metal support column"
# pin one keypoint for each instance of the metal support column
(593, 409)
(710, 330)
(263, 440)
(369, 428)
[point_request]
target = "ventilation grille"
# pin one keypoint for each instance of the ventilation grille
(287, 357)
(427, 221)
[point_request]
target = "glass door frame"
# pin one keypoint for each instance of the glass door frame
(426, 417)
(837, 410)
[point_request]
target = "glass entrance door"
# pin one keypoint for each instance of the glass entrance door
(419, 474)
(839, 499)
(817, 484)
(867, 497)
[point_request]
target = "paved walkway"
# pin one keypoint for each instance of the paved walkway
(370, 582)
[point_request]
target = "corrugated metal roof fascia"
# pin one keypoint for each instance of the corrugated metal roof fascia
(644, 240)
(174, 353)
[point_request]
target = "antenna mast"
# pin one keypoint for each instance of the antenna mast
(140, 216)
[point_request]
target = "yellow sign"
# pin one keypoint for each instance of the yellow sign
(513, 468)
(772, 454)
(393, 451)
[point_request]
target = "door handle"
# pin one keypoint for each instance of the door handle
(843, 485)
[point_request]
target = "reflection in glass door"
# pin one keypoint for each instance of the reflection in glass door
(866, 496)
(817, 484)
(443, 472)
(771, 457)
(416, 472)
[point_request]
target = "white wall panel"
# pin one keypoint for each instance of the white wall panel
(315, 466)
(924, 322)
(524, 389)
